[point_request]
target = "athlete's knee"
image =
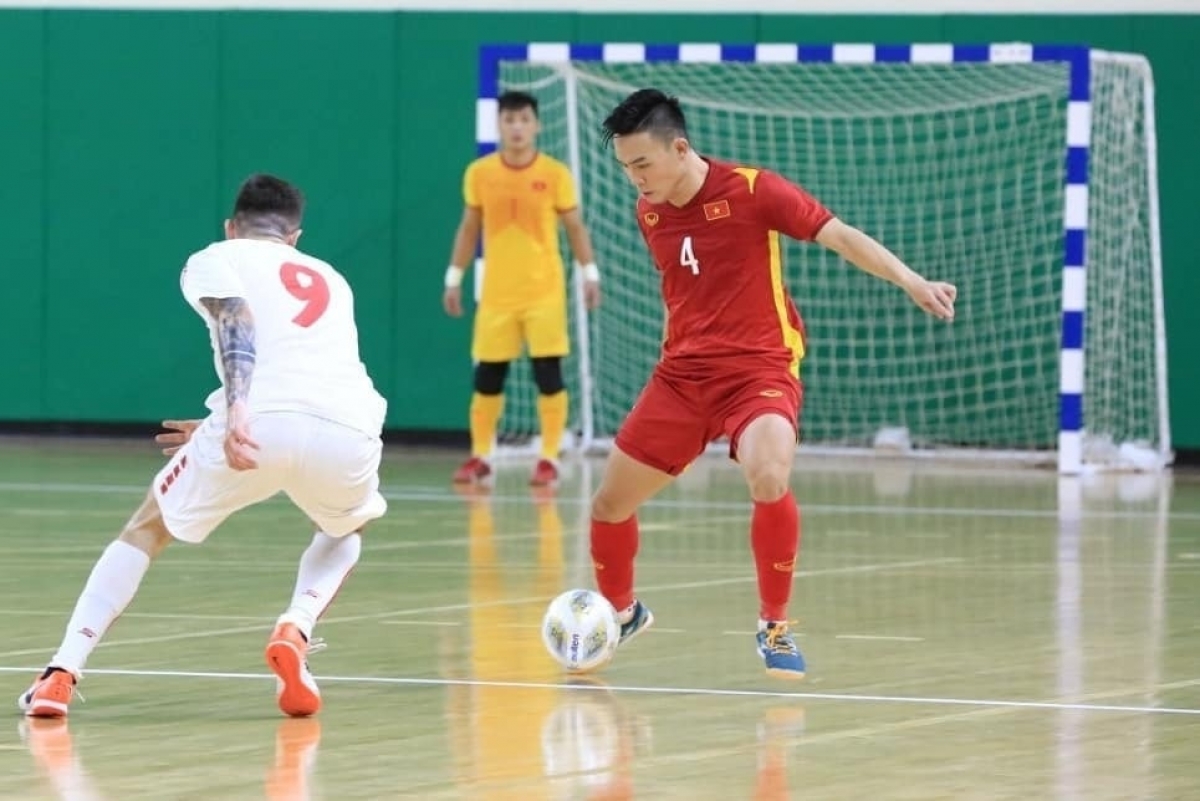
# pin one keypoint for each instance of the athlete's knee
(547, 374)
(765, 451)
(768, 482)
(146, 529)
(490, 376)
(610, 508)
(612, 504)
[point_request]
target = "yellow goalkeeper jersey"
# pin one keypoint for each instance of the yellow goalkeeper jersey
(523, 264)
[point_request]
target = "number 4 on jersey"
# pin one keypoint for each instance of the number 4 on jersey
(687, 256)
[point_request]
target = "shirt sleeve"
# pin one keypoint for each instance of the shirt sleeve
(210, 274)
(471, 186)
(789, 209)
(565, 196)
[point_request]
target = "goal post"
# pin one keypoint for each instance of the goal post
(1023, 173)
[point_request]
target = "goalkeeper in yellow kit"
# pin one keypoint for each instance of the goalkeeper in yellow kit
(517, 196)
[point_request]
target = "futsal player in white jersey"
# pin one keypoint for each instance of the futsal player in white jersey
(296, 413)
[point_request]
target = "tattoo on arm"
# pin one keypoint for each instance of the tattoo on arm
(235, 338)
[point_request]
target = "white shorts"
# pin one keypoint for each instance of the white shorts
(330, 471)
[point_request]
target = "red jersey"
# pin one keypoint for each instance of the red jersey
(722, 269)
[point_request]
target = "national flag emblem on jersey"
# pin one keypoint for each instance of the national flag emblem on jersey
(651, 219)
(717, 210)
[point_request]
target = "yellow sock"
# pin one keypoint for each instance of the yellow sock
(485, 417)
(552, 414)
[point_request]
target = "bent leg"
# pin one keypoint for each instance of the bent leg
(324, 567)
(336, 483)
(662, 435)
(112, 584)
(626, 485)
(765, 447)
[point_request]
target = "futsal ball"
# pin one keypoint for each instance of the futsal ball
(580, 630)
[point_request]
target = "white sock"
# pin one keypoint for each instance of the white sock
(110, 587)
(626, 614)
(323, 568)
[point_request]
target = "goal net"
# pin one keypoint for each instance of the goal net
(957, 167)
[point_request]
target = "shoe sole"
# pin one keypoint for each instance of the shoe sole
(45, 709)
(295, 698)
(781, 673)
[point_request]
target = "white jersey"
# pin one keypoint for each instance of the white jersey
(305, 337)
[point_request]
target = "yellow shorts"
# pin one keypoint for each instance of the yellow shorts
(501, 333)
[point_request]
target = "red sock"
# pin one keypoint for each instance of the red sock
(614, 545)
(775, 540)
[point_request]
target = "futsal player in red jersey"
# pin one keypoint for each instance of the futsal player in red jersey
(731, 355)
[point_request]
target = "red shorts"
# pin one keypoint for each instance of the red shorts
(675, 418)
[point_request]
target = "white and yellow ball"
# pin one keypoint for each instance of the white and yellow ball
(580, 630)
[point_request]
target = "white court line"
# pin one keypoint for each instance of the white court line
(434, 496)
(703, 691)
(657, 629)
(882, 637)
(155, 615)
(269, 622)
(800, 634)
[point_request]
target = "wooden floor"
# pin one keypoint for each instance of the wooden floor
(970, 635)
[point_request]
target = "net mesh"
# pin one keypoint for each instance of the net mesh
(958, 168)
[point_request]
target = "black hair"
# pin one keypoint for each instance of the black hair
(515, 101)
(269, 205)
(647, 110)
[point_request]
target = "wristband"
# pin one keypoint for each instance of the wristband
(454, 276)
(591, 272)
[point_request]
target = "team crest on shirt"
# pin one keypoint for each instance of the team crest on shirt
(651, 218)
(717, 210)
(539, 186)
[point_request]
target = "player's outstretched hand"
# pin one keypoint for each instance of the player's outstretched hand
(591, 294)
(239, 446)
(180, 431)
(935, 297)
(452, 301)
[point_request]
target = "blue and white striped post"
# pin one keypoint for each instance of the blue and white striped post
(1078, 144)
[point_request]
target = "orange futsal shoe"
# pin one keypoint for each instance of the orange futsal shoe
(545, 474)
(49, 696)
(473, 471)
(287, 655)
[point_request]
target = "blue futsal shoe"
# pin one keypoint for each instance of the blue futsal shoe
(778, 649)
(642, 619)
